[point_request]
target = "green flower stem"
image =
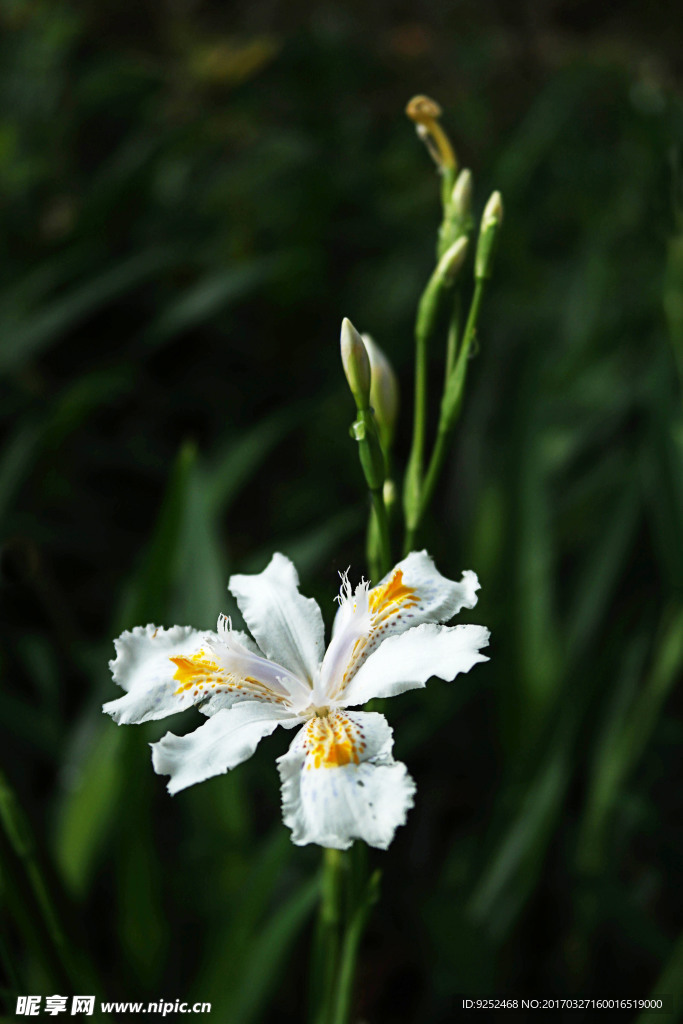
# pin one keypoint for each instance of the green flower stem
(451, 401)
(358, 920)
(453, 335)
(451, 404)
(424, 328)
(448, 176)
(372, 553)
(328, 942)
(383, 561)
(348, 897)
(373, 462)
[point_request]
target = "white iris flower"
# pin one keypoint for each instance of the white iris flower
(339, 779)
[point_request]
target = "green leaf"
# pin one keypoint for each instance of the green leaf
(95, 789)
(599, 573)
(25, 340)
(312, 548)
(626, 739)
(256, 922)
(151, 586)
(510, 875)
(230, 470)
(269, 951)
(98, 760)
(669, 983)
(16, 462)
(210, 295)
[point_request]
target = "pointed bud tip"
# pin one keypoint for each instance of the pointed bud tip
(493, 211)
(348, 335)
(356, 363)
(462, 190)
(452, 260)
(491, 221)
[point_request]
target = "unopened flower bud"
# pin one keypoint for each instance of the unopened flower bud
(383, 390)
(457, 219)
(390, 494)
(461, 197)
(356, 363)
(442, 278)
(493, 211)
(491, 221)
(452, 260)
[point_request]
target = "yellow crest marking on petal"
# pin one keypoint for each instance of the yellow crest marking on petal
(331, 741)
(198, 671)
(390, 596)
(193, 671)
(386, 602)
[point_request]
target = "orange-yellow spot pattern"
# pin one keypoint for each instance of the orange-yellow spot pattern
(332, 741)
(387, 601)
(198, 673)
(194, 671)
(393, 594)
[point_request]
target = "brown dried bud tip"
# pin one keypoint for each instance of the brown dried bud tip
(422, 108)
(425, 112)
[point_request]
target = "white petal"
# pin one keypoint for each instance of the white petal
(143, 667)
(439, 598)
(223, 742)
(414, 592)
(407, 661)
(340, 782)
(287, 626)
(168, 670)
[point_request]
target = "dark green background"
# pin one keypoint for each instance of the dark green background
(192, 196)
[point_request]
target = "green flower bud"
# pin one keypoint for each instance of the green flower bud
(493, 211)
(461, 197)
(457, 213)
(442, 278)
(491, 221)
(356, 363)
(390, 495)
(452, 260)
(383, 391)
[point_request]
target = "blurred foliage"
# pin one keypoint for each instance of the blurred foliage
(191, 201)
